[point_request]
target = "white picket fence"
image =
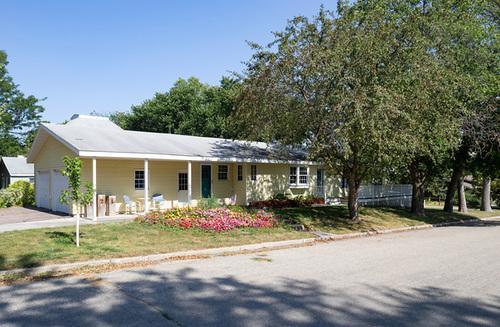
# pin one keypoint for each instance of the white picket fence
(386, 195)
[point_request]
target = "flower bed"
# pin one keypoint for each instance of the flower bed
(219, 219)
(287, 203)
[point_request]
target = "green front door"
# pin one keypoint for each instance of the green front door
(206, 181)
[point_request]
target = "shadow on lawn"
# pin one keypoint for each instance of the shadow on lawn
(24, 261)
(182, 298)
(62, 237)
(372, 217)
(32, 260)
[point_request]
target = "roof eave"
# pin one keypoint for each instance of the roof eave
(35, 148)
(170, 157)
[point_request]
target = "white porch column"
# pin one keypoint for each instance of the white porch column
(94, 188)
(146, 185)
(190, 187)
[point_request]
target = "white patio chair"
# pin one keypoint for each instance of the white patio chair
(130, 206)
(233, 199)
(160, 203)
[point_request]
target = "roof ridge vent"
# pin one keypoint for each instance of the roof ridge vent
(76, 116)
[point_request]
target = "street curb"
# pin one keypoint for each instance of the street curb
(156, 258)
(161, 257)
(337, 237)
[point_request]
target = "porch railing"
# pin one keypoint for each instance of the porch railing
(387, 195)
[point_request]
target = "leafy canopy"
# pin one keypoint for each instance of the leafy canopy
(372, 89)
(189, 107)
(19, 114)
(75, 194)
(328, 83)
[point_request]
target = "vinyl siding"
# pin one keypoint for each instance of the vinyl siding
(51, 154)
(274, 178)
(50, 158)
(116, 177)
(271, 180)
(240, 186)
(222, 188)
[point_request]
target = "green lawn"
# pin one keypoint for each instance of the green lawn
(334, 219)
(31, 248)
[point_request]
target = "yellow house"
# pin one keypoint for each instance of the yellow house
(134, 166)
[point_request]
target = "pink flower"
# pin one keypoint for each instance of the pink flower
(219, 219)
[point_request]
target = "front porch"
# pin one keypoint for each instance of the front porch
(178, 183)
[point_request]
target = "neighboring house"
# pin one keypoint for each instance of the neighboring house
(182, 168)
(13, 169)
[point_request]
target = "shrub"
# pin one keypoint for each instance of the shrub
(280, 196)
(278, 203)
(7, 198)
(209, 203)
(473, 200)
(20, 193)
(218, 220)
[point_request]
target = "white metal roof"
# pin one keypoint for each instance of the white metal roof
(91, 136)
(17, 166)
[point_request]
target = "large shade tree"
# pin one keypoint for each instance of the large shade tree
(487, 169)
(328, 84)
(19, 114)
(472, 54)
(435, 90)
(371, 91)
(189, 107)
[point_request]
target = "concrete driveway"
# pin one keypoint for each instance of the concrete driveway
(441, 277)
(19, 218)
(14, 215)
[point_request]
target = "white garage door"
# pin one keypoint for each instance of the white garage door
(59, 183)
(42, 185)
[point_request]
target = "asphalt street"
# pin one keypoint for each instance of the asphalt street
(446, 276)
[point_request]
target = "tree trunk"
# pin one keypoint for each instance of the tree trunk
(352, 196)
(462, 202)
(456, 177)
(417, 199)
(78, 229)
(486, 195)
(450, 192)
(418, 190)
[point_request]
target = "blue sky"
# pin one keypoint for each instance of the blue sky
(106, 55)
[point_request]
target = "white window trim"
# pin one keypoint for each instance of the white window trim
(144, 180)
(187, 182)
(298, 184)
(242, 173)
(227, 174)
(322, 184)
(256, 173)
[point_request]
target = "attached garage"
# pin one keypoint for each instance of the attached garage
(58, 183)
(48, 187)
(42, 189)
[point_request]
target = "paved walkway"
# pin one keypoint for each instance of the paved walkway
(14, 215)
(439, 277)
(18, 218)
